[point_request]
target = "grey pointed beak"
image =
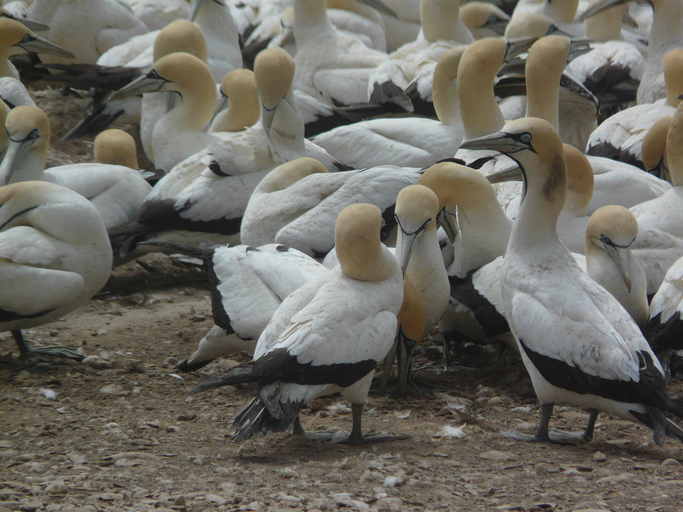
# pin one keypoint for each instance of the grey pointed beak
(510, 174)
(29, 24)
(37, 44)
(222, 105)
(598, 7)
(380, 6)
(196, 5)
(149, 82)
(621, 256)
(447, 221)
(12, 158)
(405, 249)
(497, 141)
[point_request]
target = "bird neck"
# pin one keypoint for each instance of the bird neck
(310, 18)
(667, 29)
(536, 225)
(606, 25)
(483, 234)
(217, 23)
(193, 110)
(5, 66)
(286, 135)
(240, 115)
(562, 11)
(445, 99)
(441, 22)
(480, 112)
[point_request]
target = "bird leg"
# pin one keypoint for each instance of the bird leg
(357, 437)
(298, 431)
(55, 351)
(404, 355)
(545, 435)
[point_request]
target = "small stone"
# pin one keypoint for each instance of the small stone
(215, 499)
(392, 481)
(670, 462)
(615, 478)
(97, 362)
(449, 431)
(346, 500)
(497, 455)
(56, 487)
(31, 506)
(48, 394)
(389, 504)
(179, 501)
(6, 444)
(113, 389)
(187, 417)
(77, 458)
(599, 457)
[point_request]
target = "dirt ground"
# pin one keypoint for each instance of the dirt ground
(123, 432)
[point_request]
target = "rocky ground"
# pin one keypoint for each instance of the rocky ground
(122, 431)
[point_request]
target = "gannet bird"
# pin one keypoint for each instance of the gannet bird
(419, 255)
(620, 137)
(86, 28)
(612, 68)
(609, 234)
(180, 132)
(484, 19)
(592, 182)
(116, 147)
(660, 221)
(330, 66)
(156, 14)
(666, 34)
(478, 230)
(596, 358)
(663, 330)
(14, 34)
(296, 203)
(54, 256)
(551, 93)
(406, 141)
(193, 194)
(248, 285)
(327, 336)
(442, 29)
(116, 191)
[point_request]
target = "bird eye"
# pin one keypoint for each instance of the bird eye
(525, 138)
(154, 74)
(33, 134)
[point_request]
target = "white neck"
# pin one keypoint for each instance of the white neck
(482, 236)
(286, 136)
(604, 271)
(667, 29)
(310, 19)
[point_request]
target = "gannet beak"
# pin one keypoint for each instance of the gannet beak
(511, 174)
(36, 44)
(499, 141)
(446, 220)
(222, 105)
(380, 6)
(516, 47)
(568, 82)
(598, 7)
(406, 250)
(621, 256)
(29, 24)
(196, 4)
(149, 82)
(13, 155)
(98, 120)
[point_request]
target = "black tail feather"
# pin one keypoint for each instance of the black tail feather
(255, 419)
(240, 374)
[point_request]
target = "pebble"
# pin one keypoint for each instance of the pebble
(345, 499)
(389, 504)
(670, 462)
(97, 362)
(599, 457)
(56, 487)
(615, 478)
(497, 455)
(215, 499)
(113, 389)
(451, 432)
(47, 393)
(392, 481)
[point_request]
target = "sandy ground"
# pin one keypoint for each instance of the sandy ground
(123, 432)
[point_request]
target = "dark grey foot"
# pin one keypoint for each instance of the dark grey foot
(554, 436)
(372, 438)
(28, 352)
